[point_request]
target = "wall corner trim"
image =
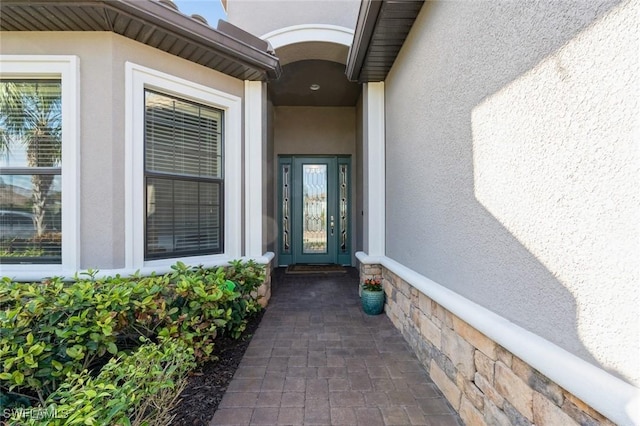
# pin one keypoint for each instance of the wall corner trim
(253, 167)
(609, 395)
(375, 166)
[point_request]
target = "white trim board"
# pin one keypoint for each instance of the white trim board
(253, 126)
(309, 32)
(374, 168)
(37, 274)
(614, 398)
(137, 78)
(67, 68)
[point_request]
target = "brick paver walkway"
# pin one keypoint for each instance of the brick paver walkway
(317, 359)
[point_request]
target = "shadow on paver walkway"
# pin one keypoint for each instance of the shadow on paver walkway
(317, 359)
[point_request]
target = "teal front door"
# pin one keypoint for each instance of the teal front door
(314, 210)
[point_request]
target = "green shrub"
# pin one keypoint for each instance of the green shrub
(248, 276)
(55, 330)
(198, 307)
(135, 389)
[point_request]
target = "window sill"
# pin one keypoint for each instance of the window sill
(33, 272)
(36, 273)
(209, 261)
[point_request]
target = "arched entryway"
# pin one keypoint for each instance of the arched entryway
(313, 147)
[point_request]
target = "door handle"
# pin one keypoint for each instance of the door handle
(332, 225)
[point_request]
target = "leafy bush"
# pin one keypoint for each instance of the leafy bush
(54, 331)
(248, 276)
(135, 389)
(198, 306)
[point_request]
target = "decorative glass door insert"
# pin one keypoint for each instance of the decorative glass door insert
(314, 208)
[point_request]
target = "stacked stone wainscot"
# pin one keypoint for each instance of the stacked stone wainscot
(483, 382)
(264, 291)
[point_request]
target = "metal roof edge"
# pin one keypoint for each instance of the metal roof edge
(205, 35)
(365, 26)
(156, 14)
(381, 30)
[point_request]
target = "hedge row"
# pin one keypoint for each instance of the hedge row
(67, 348)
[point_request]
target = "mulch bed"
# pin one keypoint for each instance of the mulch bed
(207, 386)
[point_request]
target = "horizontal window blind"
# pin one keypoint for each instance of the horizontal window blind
(184, 177)
(182, 138)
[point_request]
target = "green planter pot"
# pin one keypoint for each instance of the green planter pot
(372, 302)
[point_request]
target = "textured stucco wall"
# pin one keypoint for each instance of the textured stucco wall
(98, 224)
(315, 130)
(102, 103)
(512, 166)
(260, 17)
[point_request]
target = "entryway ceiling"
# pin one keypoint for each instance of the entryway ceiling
(293, 88)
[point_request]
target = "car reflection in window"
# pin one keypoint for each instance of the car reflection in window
(16, 224)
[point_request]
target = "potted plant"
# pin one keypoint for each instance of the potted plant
(372, 296)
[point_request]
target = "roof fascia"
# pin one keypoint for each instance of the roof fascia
(365, 27)
(164, 18)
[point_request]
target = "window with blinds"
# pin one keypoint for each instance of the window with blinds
(30, 171)
(183, 177)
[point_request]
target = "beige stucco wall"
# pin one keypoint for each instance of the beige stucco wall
(260, 17)
(512, 166)
(102, 101)
(314, 130)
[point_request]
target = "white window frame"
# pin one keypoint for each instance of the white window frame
(67, 69)
(137, 79)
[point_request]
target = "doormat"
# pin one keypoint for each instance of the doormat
(315, 269)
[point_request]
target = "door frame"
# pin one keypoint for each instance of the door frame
(289, 227)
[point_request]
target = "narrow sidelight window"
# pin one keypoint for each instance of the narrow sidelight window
(184, 180)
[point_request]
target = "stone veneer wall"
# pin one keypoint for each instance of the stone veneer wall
(485, 383)
(264, 291)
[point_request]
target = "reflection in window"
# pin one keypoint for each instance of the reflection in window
(30, 169)
(344, 207)
(184, 177)
(314, 204)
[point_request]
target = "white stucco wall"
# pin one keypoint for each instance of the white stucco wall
(102, 104)
(260, 17)
(513, 166)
